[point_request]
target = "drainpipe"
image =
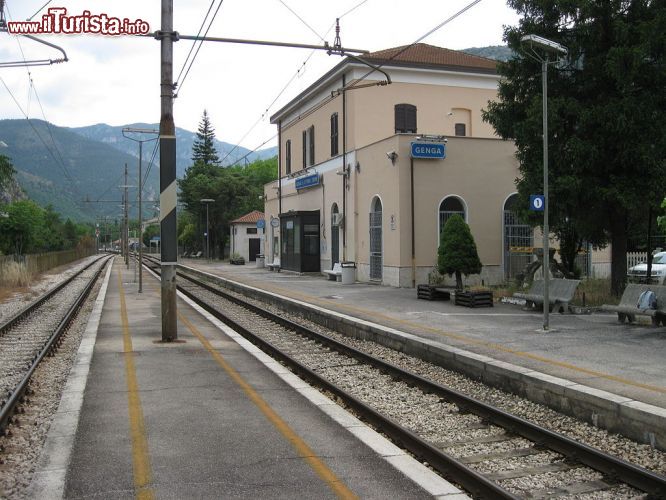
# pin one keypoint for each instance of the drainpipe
(344, 169)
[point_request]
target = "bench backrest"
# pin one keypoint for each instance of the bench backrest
(559, 289)
(199, 254)
(337, 268)
(276, 261)
(634, 290)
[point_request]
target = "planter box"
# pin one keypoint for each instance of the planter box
(430, 292)
(474, 299)
(237, 262)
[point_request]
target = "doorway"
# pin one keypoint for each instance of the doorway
(255, 248)
(335, 235)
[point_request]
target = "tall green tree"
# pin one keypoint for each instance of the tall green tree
(20, 230)
(457, 252)
(607, 135)
(203, 149)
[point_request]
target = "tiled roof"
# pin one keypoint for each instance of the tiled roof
(422, 54)
(250, 218)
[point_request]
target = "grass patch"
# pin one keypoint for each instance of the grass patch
(594, 293)
(13, 274)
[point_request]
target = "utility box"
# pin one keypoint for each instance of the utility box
(348, 272)
(261, 261)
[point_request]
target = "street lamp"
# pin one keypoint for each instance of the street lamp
(207, 201)
(547, 47)
(140, 141)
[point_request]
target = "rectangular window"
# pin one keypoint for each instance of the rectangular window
(312, 145)
(305, 148)
(405, 119)
(287, 154)
(461, 129)
(334, 134)
(308, 147)
(251, 230)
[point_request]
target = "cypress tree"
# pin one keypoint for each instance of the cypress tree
(457, 250)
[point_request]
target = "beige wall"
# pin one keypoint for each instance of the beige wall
(480, 171)
(372, 110)
(370, 116)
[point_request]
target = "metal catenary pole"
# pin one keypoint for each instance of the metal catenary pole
(546, 241)
(168, 195)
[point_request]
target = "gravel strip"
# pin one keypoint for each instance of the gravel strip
(23, 446)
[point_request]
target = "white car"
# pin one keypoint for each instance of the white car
(636, 274)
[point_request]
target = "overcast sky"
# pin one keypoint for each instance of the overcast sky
(115, 80)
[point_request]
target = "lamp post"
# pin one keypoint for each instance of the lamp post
(547, 47)
(140, 141)
(206, 201)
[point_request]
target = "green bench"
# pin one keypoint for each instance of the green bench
(560, 293)
(627, 309)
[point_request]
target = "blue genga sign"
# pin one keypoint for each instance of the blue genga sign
(307, 181)
(432, 150)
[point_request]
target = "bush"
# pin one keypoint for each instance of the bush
(457, 250)
(14, 274)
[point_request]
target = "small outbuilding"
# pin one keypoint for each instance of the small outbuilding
(247, 234)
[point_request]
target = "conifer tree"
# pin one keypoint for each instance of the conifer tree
(203, 149)
(457, 250)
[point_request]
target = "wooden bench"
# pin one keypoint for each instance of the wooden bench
(334, 274)
(275, 266)
(627, 308)
(560, 293)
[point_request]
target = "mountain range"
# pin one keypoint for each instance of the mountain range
(79, 171)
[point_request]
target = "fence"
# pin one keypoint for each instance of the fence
(603, 269)
(39, 262)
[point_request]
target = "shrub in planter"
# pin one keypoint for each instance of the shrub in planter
(457, 252)
(236, 259)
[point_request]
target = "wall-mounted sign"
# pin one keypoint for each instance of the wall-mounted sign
(307, 181)
(261, 223)
(429, 150)
(290, 224)
(275, 222)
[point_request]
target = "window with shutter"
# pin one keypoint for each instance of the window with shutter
(405, 119)
(311, 133)
(305, 149)
(461, 129)
(287, 154)
(334, 134)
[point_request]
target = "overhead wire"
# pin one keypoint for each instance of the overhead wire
(179, 85)
(419, 39)
(61, 164)
(321, 38)
(294, 76)
(210, 7)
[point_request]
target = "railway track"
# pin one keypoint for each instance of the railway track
(35, 331)
(489, 452)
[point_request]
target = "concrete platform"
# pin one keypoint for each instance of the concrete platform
(587, 365)
(207, 417)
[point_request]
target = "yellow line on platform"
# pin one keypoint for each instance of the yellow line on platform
(462, 338)
(140, 453)
(320, 468)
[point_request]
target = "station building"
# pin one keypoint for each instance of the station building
(349, 188)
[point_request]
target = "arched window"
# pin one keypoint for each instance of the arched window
(451, 205)
(376, 239)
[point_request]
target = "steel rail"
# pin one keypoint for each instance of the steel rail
(15, 398)
(614, 468)
(26, 311)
